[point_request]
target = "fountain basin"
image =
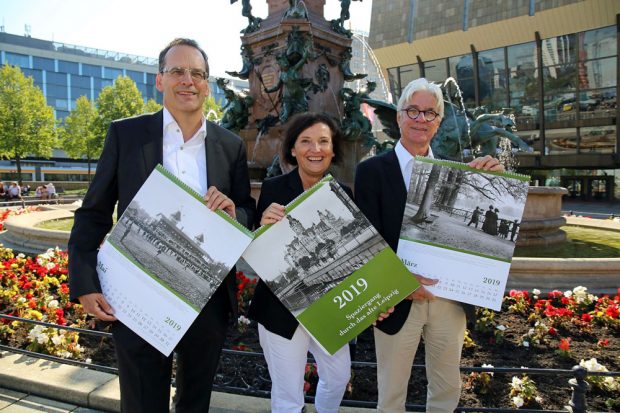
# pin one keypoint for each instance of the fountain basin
(542, 217)
(22, 236)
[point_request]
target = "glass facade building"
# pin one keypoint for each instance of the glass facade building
(66, 72)
(562, 89)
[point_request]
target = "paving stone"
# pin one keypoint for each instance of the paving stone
(32, 404)
(8, 397)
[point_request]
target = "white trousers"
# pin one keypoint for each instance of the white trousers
(442, 324)
(287, 359)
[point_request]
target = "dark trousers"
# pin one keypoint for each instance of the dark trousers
(145, 373)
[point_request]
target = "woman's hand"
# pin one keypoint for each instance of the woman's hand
(273, 214)
(487, 163)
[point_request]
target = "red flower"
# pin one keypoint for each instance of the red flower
(64, 288)
(603, 342)
(32, 304)
(555, 294)
(586, 317)
(552, 331)
(565, 344)
(612, 311)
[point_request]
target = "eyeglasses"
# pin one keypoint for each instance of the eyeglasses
(413, 113)
(179, 72)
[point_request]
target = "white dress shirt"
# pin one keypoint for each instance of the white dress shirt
(405, 161)
(186, 160)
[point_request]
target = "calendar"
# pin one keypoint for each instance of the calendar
(164, 259)
(460, 227)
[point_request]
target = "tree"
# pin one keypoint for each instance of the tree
(79, 137)
(27, 124)
(151, 106)
(212, 110)
(121, 100)
(423, 213)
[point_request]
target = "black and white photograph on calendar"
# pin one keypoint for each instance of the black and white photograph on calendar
(321, 241)
(183, 244)
(454, 206)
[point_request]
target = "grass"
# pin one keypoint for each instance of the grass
(63, 224)
(583, 243)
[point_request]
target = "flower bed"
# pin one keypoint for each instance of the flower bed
(534, 330)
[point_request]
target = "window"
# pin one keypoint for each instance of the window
(54, 78)
(16, 59)
(68, 67)
(462, 70)
(407, 74)
(80, 81)
(91, 70)
(110, 73)
(436, 70)
(36, 75)
(598, 43)
(43, 63)
(523, 84)
(600, 139)
(493, 79)
(137, 77)
(561, 141)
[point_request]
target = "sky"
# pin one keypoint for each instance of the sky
(143, 27)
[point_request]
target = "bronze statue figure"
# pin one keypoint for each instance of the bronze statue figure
(246, 11)
(338, 24)
(345, 61)
(296, 10)
(248, 64)
(237, 108)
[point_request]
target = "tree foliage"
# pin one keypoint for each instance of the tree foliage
(151, 106)
(79, 137)
(121, 100)
(212, 110)
(27, 124)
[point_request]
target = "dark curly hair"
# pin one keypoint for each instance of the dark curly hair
(303, 121)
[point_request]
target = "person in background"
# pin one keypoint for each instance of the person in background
(207, 158)
(311, 143)
(381, 185)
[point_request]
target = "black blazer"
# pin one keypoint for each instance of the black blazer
(132, 149)
(265, 307)
(381, 194)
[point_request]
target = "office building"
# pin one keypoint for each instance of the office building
(554, 62)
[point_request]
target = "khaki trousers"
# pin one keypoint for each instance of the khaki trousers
(442, 324)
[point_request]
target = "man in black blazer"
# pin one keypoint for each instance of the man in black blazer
(381, 185)
(208, 158)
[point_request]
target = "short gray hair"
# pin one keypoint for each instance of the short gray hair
(421, 84)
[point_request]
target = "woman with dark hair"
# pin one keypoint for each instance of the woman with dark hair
(312, 143)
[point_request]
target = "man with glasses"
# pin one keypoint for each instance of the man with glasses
(381, 185)
(209, 159)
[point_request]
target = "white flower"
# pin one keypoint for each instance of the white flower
(517, 401)
(568, 294)
(243, 320)
(21, 255)
(57, 340)
(50, 265)
(490, 373)
(88, 361)
(43, 338)
(501, 327)
(536, 291)
(21, 300)
(538, 399)
(526, 343)
(516, 382)
(52, 305)
(592, 365)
